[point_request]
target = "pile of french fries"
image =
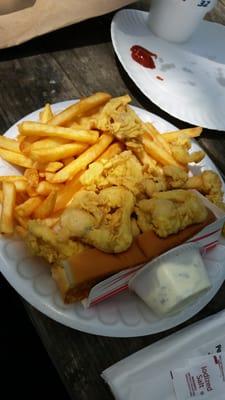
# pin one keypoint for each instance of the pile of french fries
(54, 152)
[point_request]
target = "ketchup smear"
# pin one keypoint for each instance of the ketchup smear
(143, 56)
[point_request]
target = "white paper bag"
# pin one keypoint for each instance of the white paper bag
(22, 20)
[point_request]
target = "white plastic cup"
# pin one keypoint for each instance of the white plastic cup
(177, 20)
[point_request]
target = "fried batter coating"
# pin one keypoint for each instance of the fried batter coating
(101, 220)
(166, 216)
(117, 118)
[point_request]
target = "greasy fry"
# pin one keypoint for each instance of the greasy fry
(144, 157)
(80, 109)
(1, 196)
(158, 153)
(113, 150)
(49, 176)
(30, 128)
(53, 166)
(8, 203)
(174, 135)
(9, 144)
(65, 195)
(48, 143)
(21, 221)
(26, 143)
(20, 185)
(46, 114)
(21, 197)
(16, 158)
(155, 135)
(58, 153)
(46, 207)
(28, 207)
(12, 178)
(68, 160)
(44, 188)
(31, 174)
(83, 160)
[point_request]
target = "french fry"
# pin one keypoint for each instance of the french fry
(22, 221)
(32, 176)
(20, 185)
(53, 166)
(16, 158)
(20, 139)
(21, 197)
(46, 207)
(155, 135)
(46, 114)
(80, 109)
(9, 144)
(113, 150)
(44, 188)
(174, 135)
(26, 143)
(81, 162)
(12, 178)
(1, 196)
(49, 176)
(144, 158)
(27, 208)
(65, 195)
(48, 143)
(58, 153)
(68, 160)
(158, 153)
(8, 204)
(30, 128)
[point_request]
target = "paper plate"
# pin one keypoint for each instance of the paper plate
(193, 85)
(122, 316)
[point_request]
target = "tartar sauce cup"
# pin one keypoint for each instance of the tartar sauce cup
(177, 20)
(172, 281)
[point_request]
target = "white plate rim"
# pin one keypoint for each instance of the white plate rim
(62, 317)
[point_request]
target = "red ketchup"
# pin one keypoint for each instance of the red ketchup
(143, 56)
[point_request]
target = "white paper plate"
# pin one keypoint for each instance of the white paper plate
(123, 316)
(193, 89)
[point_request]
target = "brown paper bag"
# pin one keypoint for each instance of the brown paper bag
(21, 20)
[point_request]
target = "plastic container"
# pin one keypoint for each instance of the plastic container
(170, 282)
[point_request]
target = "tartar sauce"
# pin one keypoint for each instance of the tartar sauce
(172, 281)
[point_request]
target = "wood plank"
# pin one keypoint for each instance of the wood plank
(218, 13)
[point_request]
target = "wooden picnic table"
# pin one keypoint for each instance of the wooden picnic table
(67, 64)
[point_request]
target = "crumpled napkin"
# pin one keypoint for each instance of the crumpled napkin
(146, 374)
